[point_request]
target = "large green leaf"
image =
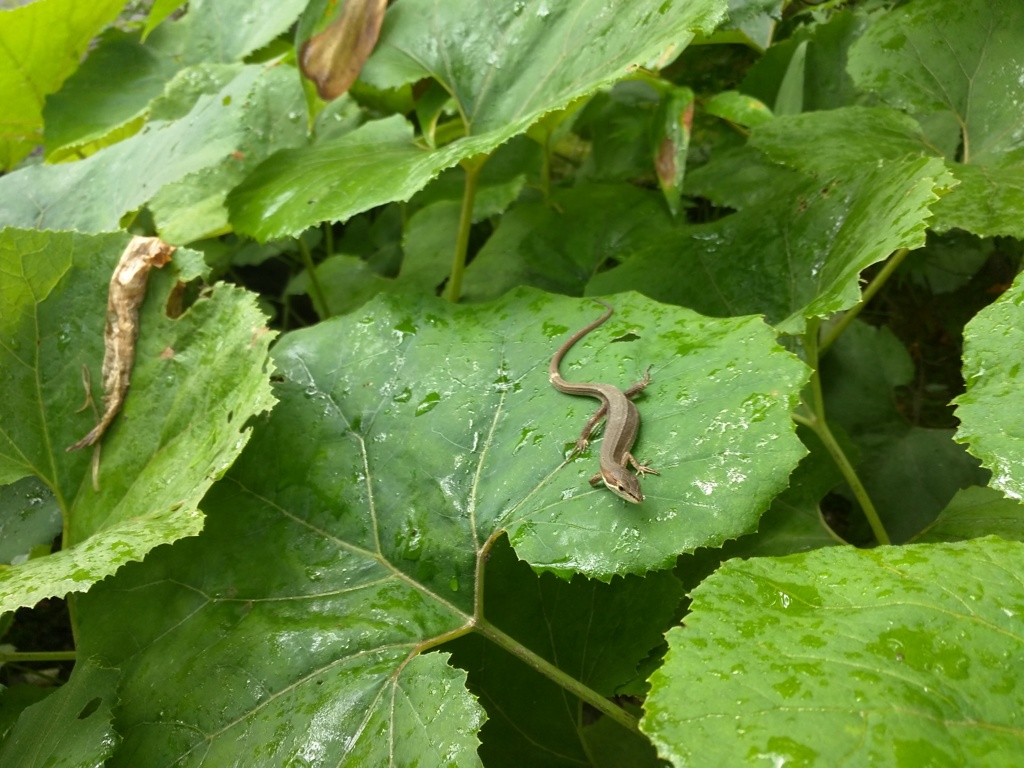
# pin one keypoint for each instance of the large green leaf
(846, 656)
(122, 76)
(505, 65)
(273, 117)
(352, 534)
(797, 244)
(90, 106)
(991, 411)
(962, 61)
(41, 43)
(93, 194)
(72, 728)
(196, 381)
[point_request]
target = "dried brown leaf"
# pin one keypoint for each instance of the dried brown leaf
(333, 58)
(127, 291)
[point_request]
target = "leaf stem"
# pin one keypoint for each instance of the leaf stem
(328, 238)
(15, 657)
(817, 422)
(314, 283)
(472, 167)
(552, 672)
(874, 287)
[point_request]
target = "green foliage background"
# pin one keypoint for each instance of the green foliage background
(338, 521)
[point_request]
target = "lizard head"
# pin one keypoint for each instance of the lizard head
(623, 484)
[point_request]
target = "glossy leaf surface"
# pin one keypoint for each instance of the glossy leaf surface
(879, 657)
(992, 365)
(505, 65)
(93, 194)
(71, 728)
(373, 490)
(945, 57)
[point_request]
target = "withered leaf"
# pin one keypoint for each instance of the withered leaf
(127, 291)
(333, 58)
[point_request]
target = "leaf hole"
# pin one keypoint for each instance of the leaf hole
(90, 708)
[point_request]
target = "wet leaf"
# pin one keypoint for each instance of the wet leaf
(794, 249)
(195, 382)
(71, 728)
(869, 657)
(272, 117)
(29, 518)
(90, 109)
(992, 366)
(505, 66)
(107, 99)
(93, 194)
(225, 30)
(946, 57)
(373, 489)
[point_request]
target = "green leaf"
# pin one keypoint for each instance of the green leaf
(71, 728)
(619, 124)
(976, 512)
(225, 30)
(796, 246)
(389, 466)
(738, 108)
(848, 656)
(793, 522)
(196, 381)
(90, 106)
(987, 201)
(159, 11)
(93, 194)
(992, 364)
(122, 76)
(29, 517)
(560, 246)
(755, 20)
(41, 43)
(512, 68)
(942, 56)
(273, 117)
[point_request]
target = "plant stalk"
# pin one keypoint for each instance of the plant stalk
(874, 287)
(314, 283)
(819, 424)
(24, 656)
(472, 167)
(552, 672)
